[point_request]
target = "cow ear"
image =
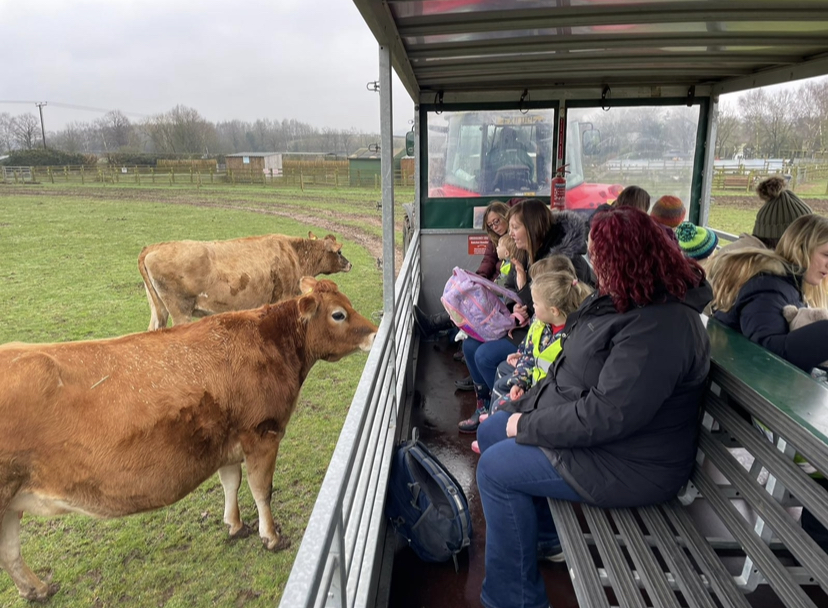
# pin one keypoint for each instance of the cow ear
(308, 304)
(306, 284)
(332, 245)
(311, 236)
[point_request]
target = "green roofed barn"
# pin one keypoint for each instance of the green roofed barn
(364, 166)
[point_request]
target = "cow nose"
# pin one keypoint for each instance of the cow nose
(368, 342)
(348, 267)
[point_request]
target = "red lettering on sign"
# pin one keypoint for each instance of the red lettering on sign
(478, 244)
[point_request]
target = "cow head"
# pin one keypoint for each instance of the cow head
(334, 328)
(332, 258)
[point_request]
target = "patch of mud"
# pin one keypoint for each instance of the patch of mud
(752, 203)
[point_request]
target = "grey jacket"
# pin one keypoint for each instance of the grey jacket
(618, 415)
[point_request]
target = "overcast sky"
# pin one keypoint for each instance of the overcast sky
(276, 59)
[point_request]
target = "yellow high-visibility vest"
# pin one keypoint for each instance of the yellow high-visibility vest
(543, 358)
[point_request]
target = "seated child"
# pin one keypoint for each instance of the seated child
(506, 250)
(555, 295)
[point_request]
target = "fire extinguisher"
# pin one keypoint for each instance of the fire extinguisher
(559, 189)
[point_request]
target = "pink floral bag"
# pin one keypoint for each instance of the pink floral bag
(475, 306)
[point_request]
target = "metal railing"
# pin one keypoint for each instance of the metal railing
(337, 564)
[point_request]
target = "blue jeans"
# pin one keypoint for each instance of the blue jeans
(514, 481)
(482, 358)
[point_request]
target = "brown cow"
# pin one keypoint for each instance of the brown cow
(114, 427)
(187, 279)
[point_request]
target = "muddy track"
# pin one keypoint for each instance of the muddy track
(291, 208)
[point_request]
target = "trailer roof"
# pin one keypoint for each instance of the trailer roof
(491, 50)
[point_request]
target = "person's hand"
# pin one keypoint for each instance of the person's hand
(521, 309)
(516, 393)
(512, 359)
(511, 426)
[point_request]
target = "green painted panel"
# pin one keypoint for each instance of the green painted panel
(453, 213)
(784, 385)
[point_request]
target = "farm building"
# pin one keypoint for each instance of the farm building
(364, 166)
(256, 161)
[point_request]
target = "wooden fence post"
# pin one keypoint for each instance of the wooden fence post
(191, 174)
(137, 175)
(83, 179)
(301, 180)
(152, 174)
(51, 175)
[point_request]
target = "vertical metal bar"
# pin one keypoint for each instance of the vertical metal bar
(418, 160)
(709, 157)
(387, 168)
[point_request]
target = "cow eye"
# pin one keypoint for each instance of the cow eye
(338, 316)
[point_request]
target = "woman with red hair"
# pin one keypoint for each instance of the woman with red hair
(614, 422)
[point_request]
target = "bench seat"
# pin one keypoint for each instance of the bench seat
(658, 556)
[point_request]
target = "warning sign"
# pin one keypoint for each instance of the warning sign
(478, 244)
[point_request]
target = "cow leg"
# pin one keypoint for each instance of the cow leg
(231, 477)
(261, 462)
(28, 585)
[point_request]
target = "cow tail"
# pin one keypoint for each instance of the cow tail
(158, 311)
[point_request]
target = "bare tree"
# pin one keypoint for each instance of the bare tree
(6, 132)
(25, 130)
(727, 126)
(116, 130)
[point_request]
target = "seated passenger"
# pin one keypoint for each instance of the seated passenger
(509, 152)
(668, 212)
(752, 285)
(780, 209)
(614, 423)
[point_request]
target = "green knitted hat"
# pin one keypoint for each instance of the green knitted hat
(781, 208)
(696, 242)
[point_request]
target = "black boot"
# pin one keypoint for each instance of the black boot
(431, 324)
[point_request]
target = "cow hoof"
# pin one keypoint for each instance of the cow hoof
(41, 594)
(242, 532)
(276, 544)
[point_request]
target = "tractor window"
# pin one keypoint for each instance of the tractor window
(648, 146)
(490, 153)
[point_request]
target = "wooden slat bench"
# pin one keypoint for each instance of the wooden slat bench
(658, 556)
(736, 182)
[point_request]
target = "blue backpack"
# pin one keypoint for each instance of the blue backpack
(426, 505)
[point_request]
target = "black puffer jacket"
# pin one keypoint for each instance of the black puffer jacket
(618, 415)
(757, 315)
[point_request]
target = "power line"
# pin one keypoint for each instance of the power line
(71, 106)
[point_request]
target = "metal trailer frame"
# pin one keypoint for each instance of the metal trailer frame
(471, 52)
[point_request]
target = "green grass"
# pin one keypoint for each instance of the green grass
(68, 271)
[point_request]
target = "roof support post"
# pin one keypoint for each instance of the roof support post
(387, 170)
(712, 119)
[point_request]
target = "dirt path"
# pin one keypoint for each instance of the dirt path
(299, 209)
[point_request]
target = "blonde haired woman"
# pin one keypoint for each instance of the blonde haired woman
(751, 286)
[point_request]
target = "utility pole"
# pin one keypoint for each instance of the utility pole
(40, 105)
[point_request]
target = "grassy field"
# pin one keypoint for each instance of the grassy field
(68, 271)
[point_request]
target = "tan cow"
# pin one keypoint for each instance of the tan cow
(114, 427)
(187, 279)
